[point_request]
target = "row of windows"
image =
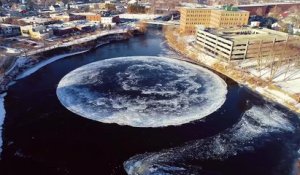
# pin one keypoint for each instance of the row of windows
(198, 11)
(233, 19)
(198, 19)
(226, 14)
(230, 23)
(196, 23)
(198, 15)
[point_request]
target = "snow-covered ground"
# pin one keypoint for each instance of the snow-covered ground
(78, 41)
(139, 16)
(44, 63)
(2, 115)
(66, 44)
(288, 78)
(10, 50)
(20, 61)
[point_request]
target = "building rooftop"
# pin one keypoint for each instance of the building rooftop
(72, 24)
(8, 25)
(247, 33)
(220, 8)
(35, 20)
(85, 14)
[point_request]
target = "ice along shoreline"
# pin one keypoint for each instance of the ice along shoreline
(36, 60)
(24, 67)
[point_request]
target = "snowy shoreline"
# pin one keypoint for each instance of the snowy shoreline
(24, 67)
(279, 97)
(43, 63)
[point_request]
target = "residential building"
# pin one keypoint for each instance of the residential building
(67, 17)
(61, 17)
(8, 30)
(37, 21)
(110, 19)
(243, 43)
(61, 31)
(56, 8)
(74, 27)
(296, 31)
(97, 5)
(225, 17)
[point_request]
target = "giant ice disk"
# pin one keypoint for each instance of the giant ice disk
(142, 91)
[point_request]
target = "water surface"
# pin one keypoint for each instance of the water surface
(40, 136)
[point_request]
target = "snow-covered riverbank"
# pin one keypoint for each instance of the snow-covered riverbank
(24, 67)
(44, 63)
(278, 95)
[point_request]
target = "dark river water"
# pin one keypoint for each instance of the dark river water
(246, 136)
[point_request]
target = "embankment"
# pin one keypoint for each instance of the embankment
(262, 87)
(23, 67)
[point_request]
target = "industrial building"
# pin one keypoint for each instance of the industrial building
(225, 17)
(243, 43)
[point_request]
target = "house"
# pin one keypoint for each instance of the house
(255, 24)
(74, 27)
(56, 8)
(64, 31)
(8, 30)
(110, 20)
(82, 5)
(296, 31)
(37, 20)
(60, 17)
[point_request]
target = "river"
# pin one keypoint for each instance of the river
(41, 136)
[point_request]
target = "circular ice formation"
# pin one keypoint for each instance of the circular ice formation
(142, 91)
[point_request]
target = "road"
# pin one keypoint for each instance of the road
(86, 38)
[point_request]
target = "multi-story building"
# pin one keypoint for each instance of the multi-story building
(191, 17)
(243, 43)
(211, 17)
